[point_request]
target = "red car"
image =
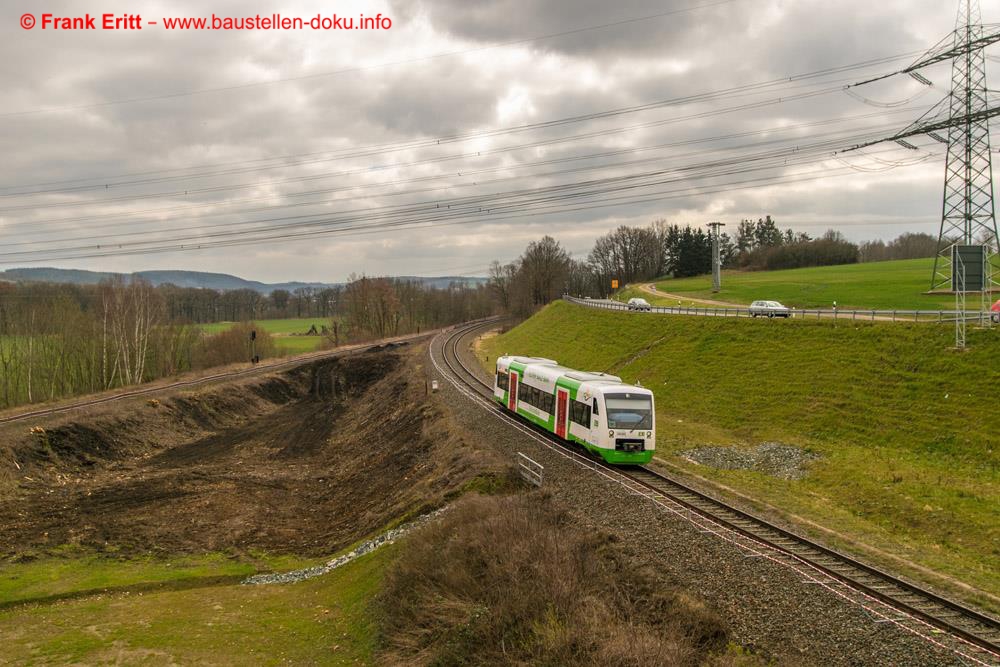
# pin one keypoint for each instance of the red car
(995, 311)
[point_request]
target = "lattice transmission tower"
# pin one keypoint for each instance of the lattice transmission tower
(968, 219)
(968, 216)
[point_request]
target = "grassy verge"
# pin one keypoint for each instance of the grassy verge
(880, 285)
(906, 428)
(71, 575)
(323, 620)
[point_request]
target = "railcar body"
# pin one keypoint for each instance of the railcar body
(598, 411)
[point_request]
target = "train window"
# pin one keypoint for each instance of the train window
(580, 413)
(503, 380)
(597, 410)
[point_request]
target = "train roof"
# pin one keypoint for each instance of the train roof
(542, 361)
(550, 371)
(591, 376)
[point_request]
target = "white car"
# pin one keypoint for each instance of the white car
(769, 309)
(636, 303)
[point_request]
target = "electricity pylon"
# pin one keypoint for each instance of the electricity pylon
(968, 216)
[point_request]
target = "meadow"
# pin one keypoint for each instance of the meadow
(186, 610)
(283, 331)
(904, 427)
(891, 285)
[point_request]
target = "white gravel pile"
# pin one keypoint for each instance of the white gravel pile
(770, 458)
(387, 537)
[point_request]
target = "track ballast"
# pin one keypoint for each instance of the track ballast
(971, 634)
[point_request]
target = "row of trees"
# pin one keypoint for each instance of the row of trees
(905, 246)
(385, 307)
(61, 340)
(200, 306)
(634, 254)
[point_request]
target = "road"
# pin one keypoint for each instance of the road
(713, 308)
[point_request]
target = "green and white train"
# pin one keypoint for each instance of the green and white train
(598, 411)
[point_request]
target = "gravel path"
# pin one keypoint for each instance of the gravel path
(768, 607)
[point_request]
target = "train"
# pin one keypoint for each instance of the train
(599, 412)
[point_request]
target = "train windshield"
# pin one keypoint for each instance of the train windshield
(629, 411)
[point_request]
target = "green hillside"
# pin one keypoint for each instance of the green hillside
(880, 285)
(905, 428)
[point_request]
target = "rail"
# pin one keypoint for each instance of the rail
(159, 387)
(884, 597)
(934, 316)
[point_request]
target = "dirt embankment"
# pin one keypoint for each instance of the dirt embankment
(304, 461)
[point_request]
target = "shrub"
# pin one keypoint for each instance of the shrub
(232, 346)
(511, 580)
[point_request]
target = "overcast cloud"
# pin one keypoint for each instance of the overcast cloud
(342, 137)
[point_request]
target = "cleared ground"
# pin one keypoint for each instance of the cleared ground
(125, 530)
(903, 427)
(880, 285)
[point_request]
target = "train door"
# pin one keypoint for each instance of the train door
(512, 392)
(562, 409)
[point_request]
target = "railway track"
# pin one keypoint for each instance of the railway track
(216, 377)
(972, 635)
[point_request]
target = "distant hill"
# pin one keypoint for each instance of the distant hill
(199, 279)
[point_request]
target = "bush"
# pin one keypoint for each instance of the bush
(232, 346)
(827, 251)
(511, 580)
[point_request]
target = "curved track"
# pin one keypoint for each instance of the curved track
(972, 635)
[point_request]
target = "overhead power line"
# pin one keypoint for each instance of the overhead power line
(104, 182)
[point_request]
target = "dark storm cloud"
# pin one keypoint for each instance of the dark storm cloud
(511, 20)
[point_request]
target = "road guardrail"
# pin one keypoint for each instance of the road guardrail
(938, 316)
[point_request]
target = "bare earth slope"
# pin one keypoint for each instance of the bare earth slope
(298, 462)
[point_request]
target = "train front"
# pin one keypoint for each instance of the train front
(629, 433)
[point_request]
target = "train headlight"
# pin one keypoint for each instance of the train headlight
(611, 434)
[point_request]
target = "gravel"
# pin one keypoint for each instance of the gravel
(388, 537)
(771, 458)
(768, 607)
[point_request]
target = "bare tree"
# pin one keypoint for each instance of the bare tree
(132, 309)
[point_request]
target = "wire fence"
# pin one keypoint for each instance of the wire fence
(983, 318)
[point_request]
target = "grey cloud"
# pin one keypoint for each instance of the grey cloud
(725, 46)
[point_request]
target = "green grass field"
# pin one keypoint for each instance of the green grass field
(196, 612)
(282, 331)
(879, 285)
(906, 428)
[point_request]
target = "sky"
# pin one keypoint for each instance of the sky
(457, 133)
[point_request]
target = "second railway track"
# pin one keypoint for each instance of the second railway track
(972, 635)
